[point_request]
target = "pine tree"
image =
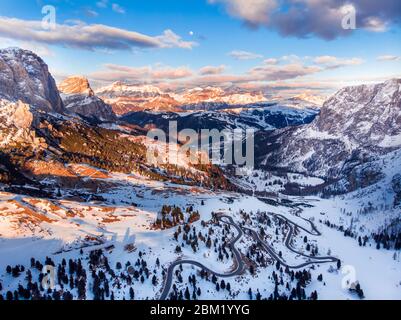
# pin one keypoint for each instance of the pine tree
(9, 296)
(187, 294)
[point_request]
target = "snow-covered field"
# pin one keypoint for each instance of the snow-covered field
(122, 226)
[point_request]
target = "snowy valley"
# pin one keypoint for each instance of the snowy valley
(84, 215)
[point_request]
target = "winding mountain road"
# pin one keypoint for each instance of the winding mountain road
(239, 262)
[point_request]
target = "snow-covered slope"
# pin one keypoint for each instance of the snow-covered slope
(354, 126)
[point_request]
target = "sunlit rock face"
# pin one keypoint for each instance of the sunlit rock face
(79, 98)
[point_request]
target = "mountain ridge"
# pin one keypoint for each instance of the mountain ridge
(356, 125)
(79, 98)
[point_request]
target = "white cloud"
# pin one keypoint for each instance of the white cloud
(209, 70)
(270, 61)
(252, 11)
(102, 4)
(388, 58)
(244, 55)
(91, 13)
(89, 37)
(117, 8)
(375, 24)
(331, 62)
(171, 40)
(282, 72)
(156, 73)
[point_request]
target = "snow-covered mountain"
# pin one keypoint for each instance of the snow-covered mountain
(24, 76)
(79, 98)
(218, 95)
(84, 198)
(27, 92)
(355, 125)
(125, 98)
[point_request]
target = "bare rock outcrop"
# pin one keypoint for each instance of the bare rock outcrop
(80, 99)
(24, 76)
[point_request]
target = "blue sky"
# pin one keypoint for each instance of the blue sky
(273, 45)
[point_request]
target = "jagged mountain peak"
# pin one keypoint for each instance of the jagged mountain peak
(25, 76)
(76, 85)
(79, 98)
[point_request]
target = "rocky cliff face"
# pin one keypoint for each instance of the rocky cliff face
(16, 125)
(355, 126)
(79, 98)
(25, 77)
(76, 85)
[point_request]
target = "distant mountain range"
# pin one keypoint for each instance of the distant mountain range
(125, 98)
